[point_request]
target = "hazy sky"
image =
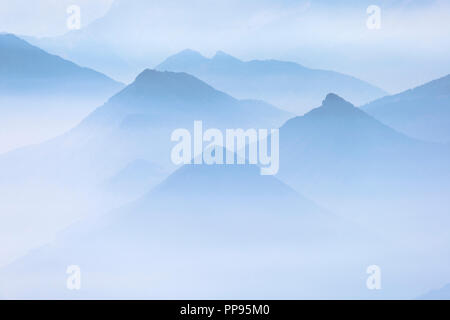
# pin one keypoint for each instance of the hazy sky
(46, 17)
(411, 47)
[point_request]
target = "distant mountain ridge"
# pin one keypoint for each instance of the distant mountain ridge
(137, 123)
(43, 95)
(287, 85)
(99, 154)
(25, 68)
(181, 95)
(422, 112)
(337, 151)
(197, 216)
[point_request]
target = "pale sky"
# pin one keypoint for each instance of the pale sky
(46, 17)
(411, 48)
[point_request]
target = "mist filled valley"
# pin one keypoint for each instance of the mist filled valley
(290, 181)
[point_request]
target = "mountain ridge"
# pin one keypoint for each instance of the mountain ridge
(25, 62)
(138, 116)
(43, 95)
(340, 140)
(422, 112)
(285, 84)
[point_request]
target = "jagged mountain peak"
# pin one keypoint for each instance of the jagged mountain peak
(336, 106)
(220, 55)
(157, 92)
(288, 85)
(166, 83)
(333, 100)
(337, 118)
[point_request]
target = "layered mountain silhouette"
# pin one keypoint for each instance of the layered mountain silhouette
(179, 95)
(422, 112)
(182, 230)
(137, 123)
(185, 229)
(342, 157)
(287, 85)
(88, 160)
(356, 186)
(228, 188)
(42, 95)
